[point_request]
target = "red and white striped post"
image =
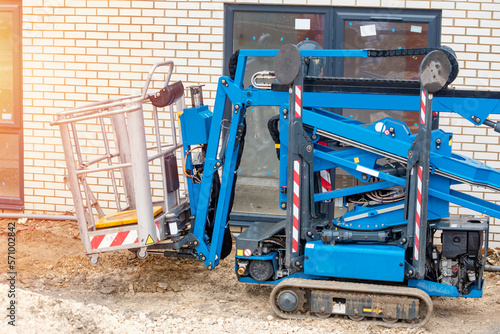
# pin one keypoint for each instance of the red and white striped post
(418, 206)
(422, 183)
(297, 96)
(296, 206)
(434, 73)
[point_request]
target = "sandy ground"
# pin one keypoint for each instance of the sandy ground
(59, 291)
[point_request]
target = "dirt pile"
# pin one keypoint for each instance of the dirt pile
(59, 291)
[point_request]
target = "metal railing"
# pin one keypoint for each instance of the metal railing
(121, 128)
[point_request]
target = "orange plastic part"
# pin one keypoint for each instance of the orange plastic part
(122, 218)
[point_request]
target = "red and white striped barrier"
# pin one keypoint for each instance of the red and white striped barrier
(114, 239)
(296, 210)
(423, 102)
(422, 106)
(419, 210)
(326, 182)
(157, 231)
(298, 101)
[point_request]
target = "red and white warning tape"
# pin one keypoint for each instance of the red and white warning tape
(114, 239)
(298, 101)
(326, 183)
(422, 106)
(418, 209)
(296, 210)
(157, 231)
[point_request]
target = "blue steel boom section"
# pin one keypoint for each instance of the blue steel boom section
(377, 237)
(453, 166)
(336, 249)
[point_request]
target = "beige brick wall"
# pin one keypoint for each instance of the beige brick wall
(79, 51)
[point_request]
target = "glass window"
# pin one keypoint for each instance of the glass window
(384, 36)
(270, 27)
(6, 68)
(11, 158)
(9, 165)
(258, 175)
(252, 30)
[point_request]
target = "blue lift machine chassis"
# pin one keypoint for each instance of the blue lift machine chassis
(375, 248)
(378, 259)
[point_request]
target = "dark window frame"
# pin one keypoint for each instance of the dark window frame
(335, 18)
(16, 125)
(430, 17)
(333, 39)
(229, 10)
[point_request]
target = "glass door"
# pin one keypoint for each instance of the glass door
(270, 27)
(11, 165)
(384, 29)
(384, 35)
(356, 29)
(258, 175)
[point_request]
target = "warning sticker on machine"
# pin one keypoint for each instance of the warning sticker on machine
(150, 240)
(239, 252)
(309, 245)
(338, 308)
(367, 171)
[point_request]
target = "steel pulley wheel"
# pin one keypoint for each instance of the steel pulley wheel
(435, 70)
(287, 64)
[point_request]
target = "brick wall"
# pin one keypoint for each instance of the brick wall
(79, 51)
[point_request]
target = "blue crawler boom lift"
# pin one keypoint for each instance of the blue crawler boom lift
(366, 251)
(321, 263)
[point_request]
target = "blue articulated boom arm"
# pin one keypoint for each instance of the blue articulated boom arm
(325, 123)
(397, 195)
(209, 247)
(453, 166)
(210, 251)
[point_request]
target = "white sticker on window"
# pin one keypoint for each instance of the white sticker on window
(417, 29)
(302, 24)
(369, 30)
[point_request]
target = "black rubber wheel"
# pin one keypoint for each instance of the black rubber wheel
(356, 317)
(390, 321)
(322, 315)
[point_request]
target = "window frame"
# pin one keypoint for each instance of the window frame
(15, 126)
(335, 18)
(430, 17)
(333, 38)
(229, 10)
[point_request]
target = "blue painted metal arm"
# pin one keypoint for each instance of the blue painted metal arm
(463, 168)
(352, 190)
(357, 167)
(468, 201)
(307, 53)
(210, 168)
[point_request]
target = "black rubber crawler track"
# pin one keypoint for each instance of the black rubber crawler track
(347, 287)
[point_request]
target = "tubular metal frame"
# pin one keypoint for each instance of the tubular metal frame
(127, 122)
